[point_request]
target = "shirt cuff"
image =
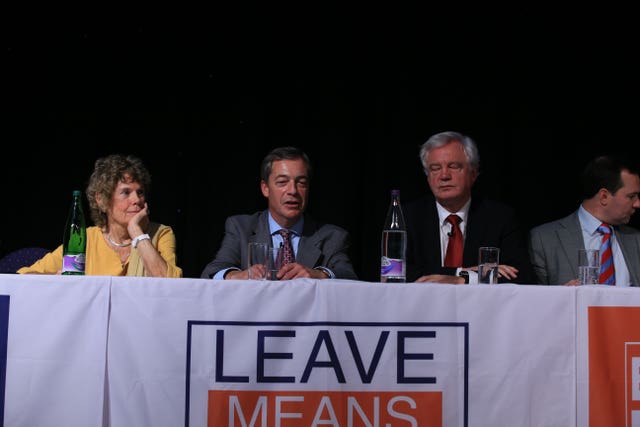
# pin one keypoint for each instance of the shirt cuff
(473, 276)
(220, 274)
(326, 270)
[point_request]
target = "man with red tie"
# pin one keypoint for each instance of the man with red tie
(446, 228)
(610, 193)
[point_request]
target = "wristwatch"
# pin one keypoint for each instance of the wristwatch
(465, 275)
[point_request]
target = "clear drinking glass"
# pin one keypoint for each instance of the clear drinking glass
(488, 261)
(588, 266)
(257, 257)
(274, 262)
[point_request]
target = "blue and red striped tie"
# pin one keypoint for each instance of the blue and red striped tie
(607, 270)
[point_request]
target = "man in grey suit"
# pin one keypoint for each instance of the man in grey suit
(321, 250)
(610, 192)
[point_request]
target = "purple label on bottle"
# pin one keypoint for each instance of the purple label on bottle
(391, 267)
(73, 263)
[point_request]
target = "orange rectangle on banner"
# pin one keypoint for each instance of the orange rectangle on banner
(632, 356)
(613, 334)
(238, 408)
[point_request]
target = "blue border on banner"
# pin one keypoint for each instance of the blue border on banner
(464, 325)
(4, 339)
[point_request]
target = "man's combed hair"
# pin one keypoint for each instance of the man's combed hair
(604, 172)
(282, 153)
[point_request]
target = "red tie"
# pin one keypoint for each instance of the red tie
(287, 250)
(607, 271)
(454, 248)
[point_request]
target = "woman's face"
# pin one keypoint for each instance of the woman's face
(127, 200)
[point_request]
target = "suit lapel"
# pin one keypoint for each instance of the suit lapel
(428, 234)
(570, 238)
(629, 246)
(474, 235)
(308, 252)
(261, 232)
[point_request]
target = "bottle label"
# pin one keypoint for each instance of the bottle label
(390, 267)
(73, 264)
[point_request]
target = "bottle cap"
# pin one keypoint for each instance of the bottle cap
(395, 192)
(76, 192)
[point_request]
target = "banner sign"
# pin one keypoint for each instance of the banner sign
(56, 349)
(339, 353)
(289, 373)
(610, 336)
(119, 351)
(4, 336)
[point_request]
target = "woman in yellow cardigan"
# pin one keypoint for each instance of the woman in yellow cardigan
(123, 242)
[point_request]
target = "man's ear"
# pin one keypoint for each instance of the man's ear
(264, 188)
(604, 196)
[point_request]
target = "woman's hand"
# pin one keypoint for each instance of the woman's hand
(139, 222)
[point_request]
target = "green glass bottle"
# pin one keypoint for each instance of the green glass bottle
(74, 238)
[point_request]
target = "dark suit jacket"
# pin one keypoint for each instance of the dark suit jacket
(321, 245)
(554, 249)
(489, 223)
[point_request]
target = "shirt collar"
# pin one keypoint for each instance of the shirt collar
(443, 213)
(296, 229)
(588, 222)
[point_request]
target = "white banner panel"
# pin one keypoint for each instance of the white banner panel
(56, 350)
(147, 346)
(198, 352)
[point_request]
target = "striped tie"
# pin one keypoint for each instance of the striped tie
(607, 270)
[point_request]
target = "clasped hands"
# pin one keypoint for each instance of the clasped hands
(287, 272)
(504, 270)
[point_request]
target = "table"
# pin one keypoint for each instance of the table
(118, 351)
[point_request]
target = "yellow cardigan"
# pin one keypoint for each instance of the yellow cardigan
(101, 260)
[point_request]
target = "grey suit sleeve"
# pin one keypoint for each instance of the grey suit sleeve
(336, 254)
(553, 249)
(536, 254)
(232, 252)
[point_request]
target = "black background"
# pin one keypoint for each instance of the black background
(202, 95)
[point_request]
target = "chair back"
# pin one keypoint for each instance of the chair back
(19, 258)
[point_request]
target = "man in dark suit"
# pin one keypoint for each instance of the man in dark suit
(451, 163)
(610, 192)
(321, 250)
